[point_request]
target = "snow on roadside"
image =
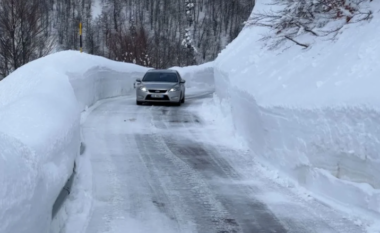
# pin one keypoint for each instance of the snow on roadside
(198, 78)
(311, 114)
(99, 79)
(74, 214)
(40, 105)
(38, 111)
(13, 184)
(92, 87)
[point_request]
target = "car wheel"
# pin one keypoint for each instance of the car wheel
(183, 99)
(138, 102)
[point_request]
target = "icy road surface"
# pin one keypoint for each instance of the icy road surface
(162, 169)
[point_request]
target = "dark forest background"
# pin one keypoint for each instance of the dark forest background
(155, 33)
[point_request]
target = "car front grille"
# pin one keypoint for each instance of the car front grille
(165, 97)
(157, 91)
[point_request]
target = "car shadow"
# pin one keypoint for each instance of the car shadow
(163, 104)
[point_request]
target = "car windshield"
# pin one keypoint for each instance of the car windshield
(160, 77)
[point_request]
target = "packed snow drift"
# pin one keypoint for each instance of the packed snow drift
(313, 113)
(40, 106)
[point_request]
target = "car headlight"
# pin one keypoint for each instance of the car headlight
(143, 88)
(175, 89)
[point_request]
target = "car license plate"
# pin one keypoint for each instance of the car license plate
(157, 96)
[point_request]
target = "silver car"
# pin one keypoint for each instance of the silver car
(162, 86)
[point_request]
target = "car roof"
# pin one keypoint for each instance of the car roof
(161, 71)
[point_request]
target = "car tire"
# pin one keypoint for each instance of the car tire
(183, 99)
(138, 102)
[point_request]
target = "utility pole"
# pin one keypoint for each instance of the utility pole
(80, 37)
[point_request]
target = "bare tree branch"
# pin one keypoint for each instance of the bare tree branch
(296, 18)
(296, 42)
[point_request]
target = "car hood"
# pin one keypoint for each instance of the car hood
(160, 86)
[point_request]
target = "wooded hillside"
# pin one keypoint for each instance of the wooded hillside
(157, 33)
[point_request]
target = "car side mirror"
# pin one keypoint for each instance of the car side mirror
(138, 82)
(183, 80)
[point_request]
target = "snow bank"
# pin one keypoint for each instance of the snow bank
(40, 130)
(197, 75)
(100, 78)
(13, 211)
(198, 78)
(40, 118)
(312, 114)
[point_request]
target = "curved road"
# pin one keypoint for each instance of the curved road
(162, 169)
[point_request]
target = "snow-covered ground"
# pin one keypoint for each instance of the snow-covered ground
(104, 196)
(75, 214)
(311, 114)
(310, 117)
(40, 130)
(39, 124)
(199, 79)
(181, 169)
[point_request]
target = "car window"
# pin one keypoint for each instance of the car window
(160, 77)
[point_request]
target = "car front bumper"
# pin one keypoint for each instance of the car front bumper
(167, 96)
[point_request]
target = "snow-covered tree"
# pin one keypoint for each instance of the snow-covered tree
(167, 31)
(188, 41)
(314, 17)
(24, 33)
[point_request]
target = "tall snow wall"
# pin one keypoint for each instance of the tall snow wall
(40, 106)
(312, 114)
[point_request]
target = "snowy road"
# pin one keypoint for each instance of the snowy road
(162, 169)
